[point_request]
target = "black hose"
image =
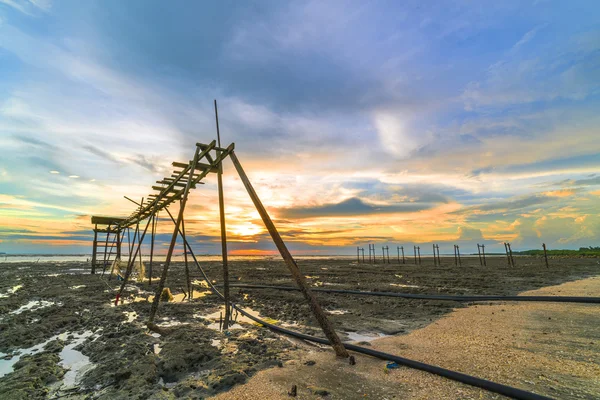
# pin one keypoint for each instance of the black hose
(453, 375)
(557, 299)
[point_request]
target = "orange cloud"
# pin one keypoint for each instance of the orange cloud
(560, 193)
(596, 192)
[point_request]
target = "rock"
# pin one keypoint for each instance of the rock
(54, 346)
(310, 363)
(294, 391)
(318, 390)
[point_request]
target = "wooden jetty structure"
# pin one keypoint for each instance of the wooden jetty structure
(207, 159)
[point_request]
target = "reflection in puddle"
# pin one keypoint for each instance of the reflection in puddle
(238, 318)
(131, 315)
(337, 312)
(201, 283)
(364, 337)
(10, 291)
(149, 297)
(34, 305)
(405, 286)
(71, 359)
(76, 362)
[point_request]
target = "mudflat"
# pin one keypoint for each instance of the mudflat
(61, 335)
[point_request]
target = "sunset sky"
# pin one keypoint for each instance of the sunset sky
(386, 122)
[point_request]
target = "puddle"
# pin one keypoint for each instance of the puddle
(311, 277)
(71, 359)
(337, 312)
(364, 337)
(156, 348)
(149, 297)
(215, 342)
(201, 283)
(216, 316)
(76, 362)
(77, 287)
(261, 269)
(166, 322)
(10, 291)
(131, 316)
(324, 268)
(34, 305)
(404, 286)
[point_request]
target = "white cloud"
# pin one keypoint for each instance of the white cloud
(28, 7)
(396, 135)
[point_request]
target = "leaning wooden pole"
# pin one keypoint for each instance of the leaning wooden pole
(335, 341)
(223, 229)
(545, 254)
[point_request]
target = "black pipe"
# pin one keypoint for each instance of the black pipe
(557, 299)
(453, 375)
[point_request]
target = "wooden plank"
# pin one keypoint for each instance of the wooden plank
(203, 146)
(326, 326)
(104, 220)
(201, 166)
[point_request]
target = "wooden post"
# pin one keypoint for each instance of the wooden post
(483, 254)
(107, 260)
(119, 240)
(398, 248)
(437, 246)
(455, 258)
(419, 253)
(479, 254)
(185, 260)
(223, 228)
(415, 249)
(383, 253)
(507, 256)
(458, 254)
(402, 249)
(328, 330)
(362, 250)
(106, 247)
(94, 249)
(545, 254)
(153, 235)
(512, 260)
(357, 255)
(434, 260)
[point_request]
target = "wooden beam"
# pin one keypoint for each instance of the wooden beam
(326, 326)
(204, 146)
(201, 166)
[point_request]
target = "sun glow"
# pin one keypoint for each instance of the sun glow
(245, 229)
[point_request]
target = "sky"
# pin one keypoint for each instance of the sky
(385, 122)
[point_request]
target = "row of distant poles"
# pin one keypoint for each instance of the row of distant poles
(385, 258)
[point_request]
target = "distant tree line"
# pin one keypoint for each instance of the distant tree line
(583, 251)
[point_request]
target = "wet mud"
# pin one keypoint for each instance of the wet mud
(94, 350)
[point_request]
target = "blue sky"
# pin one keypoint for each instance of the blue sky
(394, 122)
